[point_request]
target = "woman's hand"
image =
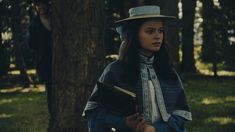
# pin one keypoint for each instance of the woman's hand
(137, 123)
(133, 120)
(145, 128)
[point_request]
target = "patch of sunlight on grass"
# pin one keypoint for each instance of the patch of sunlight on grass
(220, 120)
(4, 115)
(31, 71)
(208, 101)
(40, 88)
(10, 90)
(227, 73)
(206, 70)
(112, 56)
(5, 101)
(17, 72)
(12, 65)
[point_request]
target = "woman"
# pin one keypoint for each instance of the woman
(143, 67)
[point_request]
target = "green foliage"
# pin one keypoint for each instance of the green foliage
(15, 18)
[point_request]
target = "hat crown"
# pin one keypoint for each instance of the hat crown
(144, 10)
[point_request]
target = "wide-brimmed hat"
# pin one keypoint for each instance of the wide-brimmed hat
(144, 12)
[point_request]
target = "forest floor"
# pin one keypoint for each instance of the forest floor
(212, 102)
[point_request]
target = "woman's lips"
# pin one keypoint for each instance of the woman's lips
(157, 43)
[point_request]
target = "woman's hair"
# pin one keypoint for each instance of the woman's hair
(129, 55)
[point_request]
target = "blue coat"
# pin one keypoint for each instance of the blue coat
(173, 105)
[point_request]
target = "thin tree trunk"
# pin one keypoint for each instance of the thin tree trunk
(78, 58)
(188, 61)
(214, 68)
(209, 45)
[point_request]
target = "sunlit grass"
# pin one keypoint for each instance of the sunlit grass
(23, 109)
(220, 120)
(12, 65)
(112, 56)
(212, 100)
(4, 115)
(40, 88)
(17, 72)
(206, 68)
(5, 101)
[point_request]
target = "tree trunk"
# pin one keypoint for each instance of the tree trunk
(188, 61)
(209, 45)
(78, 58)
(214, 68)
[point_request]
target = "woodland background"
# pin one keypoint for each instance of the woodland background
(202, 47)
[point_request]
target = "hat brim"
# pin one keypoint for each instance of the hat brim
(126, 20)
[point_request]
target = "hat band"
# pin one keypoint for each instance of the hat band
(140, 11)
(144, 15)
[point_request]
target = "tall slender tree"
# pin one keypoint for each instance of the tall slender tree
(188, 61)
(78, 39)
(209, 46)
(228, 23)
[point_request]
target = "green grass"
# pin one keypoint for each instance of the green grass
(23, 110)
(212, 103)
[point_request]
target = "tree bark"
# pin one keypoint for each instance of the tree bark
(78, 58)
(209, 44)
(188, 61)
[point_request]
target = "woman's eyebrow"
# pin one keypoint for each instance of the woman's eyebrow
(154, 27)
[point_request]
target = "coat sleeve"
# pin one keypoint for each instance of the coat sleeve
(174, 124)
(99, 119)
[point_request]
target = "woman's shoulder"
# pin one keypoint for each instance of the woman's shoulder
(111, 72)
(114, 66)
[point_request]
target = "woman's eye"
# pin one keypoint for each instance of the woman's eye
(161, 30)
(150, 31)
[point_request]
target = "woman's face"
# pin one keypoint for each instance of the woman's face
(151, 36)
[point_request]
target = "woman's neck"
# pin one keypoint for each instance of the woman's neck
(147, 54)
